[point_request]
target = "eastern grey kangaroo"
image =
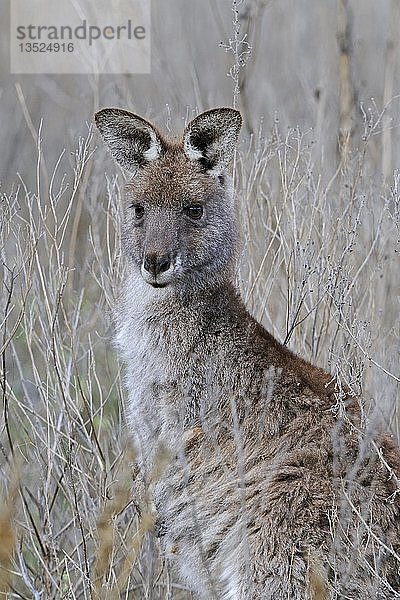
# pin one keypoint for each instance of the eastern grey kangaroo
(268, 493)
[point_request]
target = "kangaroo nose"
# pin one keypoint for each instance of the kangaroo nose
(156, 264)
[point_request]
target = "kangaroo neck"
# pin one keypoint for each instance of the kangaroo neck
(211, 302)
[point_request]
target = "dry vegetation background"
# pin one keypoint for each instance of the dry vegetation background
(319, 201)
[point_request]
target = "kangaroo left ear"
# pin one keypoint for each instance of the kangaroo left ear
(211, 138)
(132, 141)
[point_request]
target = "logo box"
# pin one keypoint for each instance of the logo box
(82, 36)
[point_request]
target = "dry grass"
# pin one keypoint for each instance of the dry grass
(319, 269)
(7, 533)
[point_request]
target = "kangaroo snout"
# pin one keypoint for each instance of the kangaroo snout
(155, 265)
(157, 268)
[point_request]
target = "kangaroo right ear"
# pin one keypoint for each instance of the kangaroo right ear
(211, 138)
(131, 140)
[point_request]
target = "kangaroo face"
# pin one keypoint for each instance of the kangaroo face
(176, 221)
(178, 218)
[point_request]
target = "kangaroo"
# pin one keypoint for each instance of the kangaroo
(269, 492)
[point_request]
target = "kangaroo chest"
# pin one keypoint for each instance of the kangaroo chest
(166, 375)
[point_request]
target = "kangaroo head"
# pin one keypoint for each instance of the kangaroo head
(178, 216)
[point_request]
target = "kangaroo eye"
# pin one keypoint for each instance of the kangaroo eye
(139, 211)
(195, 211)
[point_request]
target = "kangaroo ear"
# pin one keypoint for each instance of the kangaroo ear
(211, 138)
(131, 140)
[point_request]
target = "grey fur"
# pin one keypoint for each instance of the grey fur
(267, 494)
